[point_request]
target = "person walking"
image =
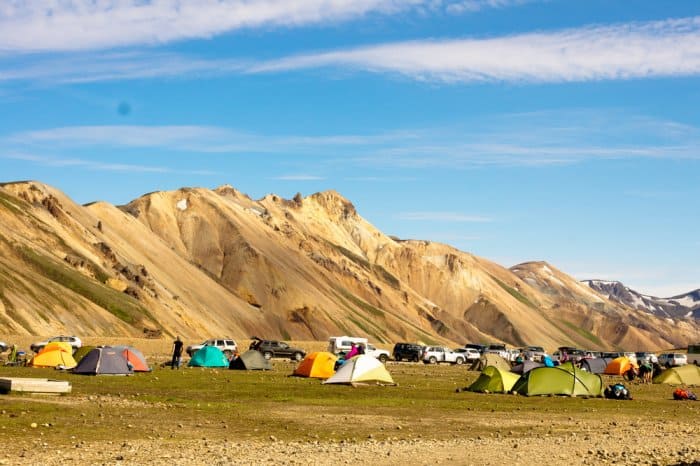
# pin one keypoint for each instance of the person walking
(177, 354)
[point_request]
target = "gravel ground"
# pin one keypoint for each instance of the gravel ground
(590, 444)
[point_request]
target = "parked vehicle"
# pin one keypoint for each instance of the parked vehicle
(631, 356)
(477, 346)
(533, 353)
(279, 349)
(499, 349)
(3, 346)
(572, 354)
(343, 344)
(74, 342)
(673, 359)
(437, 354)
(694, 354)
(226, 345)
(408, 352)
(645, 356)
(469, 353)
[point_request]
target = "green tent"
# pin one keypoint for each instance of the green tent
(251, 360)
(494, 380)
(683, 375)
(208, 356)
(560, 380)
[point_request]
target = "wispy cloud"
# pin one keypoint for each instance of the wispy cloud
(532, 139)
(442, 217)
(625, 51)
(62, 162)
(50, 25)
(299, 177)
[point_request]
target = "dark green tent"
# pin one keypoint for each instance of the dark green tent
(560, 380)
(251, 360)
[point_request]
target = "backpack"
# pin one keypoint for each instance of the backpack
(681, 394)
(617, 392)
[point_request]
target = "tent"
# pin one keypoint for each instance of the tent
(81, 352)
(683, 375)
(103, 360)
(208, 356)
(54, 355)
(251, 360)
(490, 359)
(619, 366)
(134, 357)
(595, 365)
(319, 364)
(560, 380)
(525, 366)
(362, 370)
(494, 380)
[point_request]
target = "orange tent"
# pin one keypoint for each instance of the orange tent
(319, 365)
(135, 358)
(619, 366)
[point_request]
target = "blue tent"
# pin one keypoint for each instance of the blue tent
(208, 356)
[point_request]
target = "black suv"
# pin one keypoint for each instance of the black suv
(278, 349)
(408, 352)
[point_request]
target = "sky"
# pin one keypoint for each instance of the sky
(566, 131)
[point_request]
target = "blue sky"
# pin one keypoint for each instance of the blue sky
(565, 131)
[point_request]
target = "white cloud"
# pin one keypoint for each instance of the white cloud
(625, 51)
(442, 217)
(59, 162)
(68, 25)
(617, 52)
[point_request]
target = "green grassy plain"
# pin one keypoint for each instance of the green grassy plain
(218, 403)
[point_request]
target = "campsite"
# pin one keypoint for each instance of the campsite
(215, 415)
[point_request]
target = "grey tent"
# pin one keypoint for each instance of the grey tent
(103, 361)
(251, 360)
(595, 365)
(525, 367)
(490, 359)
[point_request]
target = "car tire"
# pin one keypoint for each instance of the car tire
(382, 358)
(459, 361)
(297, 356)
(432, 360)
(267, 355)
(416, 358)
(397, 358)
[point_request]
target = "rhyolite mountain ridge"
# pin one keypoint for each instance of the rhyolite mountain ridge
(201, 263)
(684, 305)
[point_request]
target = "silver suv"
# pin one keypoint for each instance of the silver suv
(74, 342)
(226, 345)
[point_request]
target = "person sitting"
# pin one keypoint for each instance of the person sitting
(354, 351)
(631, 373)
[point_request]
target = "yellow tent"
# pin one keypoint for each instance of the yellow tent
(319, 365)
(54, 356)
(619, 366)
(684, 375)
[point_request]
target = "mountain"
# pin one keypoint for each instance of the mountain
(685, 305)
(199, 263)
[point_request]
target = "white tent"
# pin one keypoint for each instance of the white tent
(362, 370)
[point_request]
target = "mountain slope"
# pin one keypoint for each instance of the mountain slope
(685, 305)
(199, 263)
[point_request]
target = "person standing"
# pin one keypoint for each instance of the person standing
(177, 354)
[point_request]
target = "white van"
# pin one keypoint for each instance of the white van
(344, 344)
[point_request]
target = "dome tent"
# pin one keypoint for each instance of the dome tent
(319, 364)
(494, 380)
(251, 360)
(361, 370)
(208, 356)
(103, 360)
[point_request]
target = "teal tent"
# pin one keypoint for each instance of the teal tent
(561, 380)
(208, 356)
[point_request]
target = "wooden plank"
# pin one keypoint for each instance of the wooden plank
(34, 385)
